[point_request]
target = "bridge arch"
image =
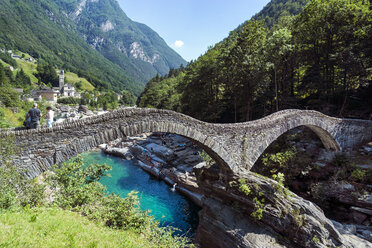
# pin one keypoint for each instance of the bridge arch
(329, 142)
(213, 147)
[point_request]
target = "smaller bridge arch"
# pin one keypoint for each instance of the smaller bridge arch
(235, 147)
(335, 133)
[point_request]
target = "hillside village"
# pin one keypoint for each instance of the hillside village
(25, 81)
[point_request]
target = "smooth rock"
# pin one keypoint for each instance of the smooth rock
(162, 152)
(362, 210)
(350, 229)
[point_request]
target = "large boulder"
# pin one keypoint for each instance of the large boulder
(83, 109)
(221, 226)
(64, 108)
(283, 216)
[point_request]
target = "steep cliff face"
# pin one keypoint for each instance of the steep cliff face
(131, 45)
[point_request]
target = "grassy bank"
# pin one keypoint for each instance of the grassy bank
(70, 208)
(54, 227)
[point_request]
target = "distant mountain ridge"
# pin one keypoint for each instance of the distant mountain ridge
(93, 38)
(106, 28)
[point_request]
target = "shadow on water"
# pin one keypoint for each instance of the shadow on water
(168, 207)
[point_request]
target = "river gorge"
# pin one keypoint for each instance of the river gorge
(224, 218)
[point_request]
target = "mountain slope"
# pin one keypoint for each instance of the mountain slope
(93, 38)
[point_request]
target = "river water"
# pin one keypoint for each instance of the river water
(168, 207)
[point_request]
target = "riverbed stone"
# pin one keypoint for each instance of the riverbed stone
(161, 151)
(83, 109)
(362, 210)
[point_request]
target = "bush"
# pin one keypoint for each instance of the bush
(8, 59)
(9, 97)
(340, 160)
(358, 175)
(77, 185)
(15, 190)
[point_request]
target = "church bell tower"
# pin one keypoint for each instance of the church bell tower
(61, 79)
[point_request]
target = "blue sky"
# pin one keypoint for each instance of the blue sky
(191, 26)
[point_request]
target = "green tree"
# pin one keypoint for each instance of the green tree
(47, 74)
(247, 66)
(8, 96)
(22, 80)
(201, 88)
(108, 101)
(86, 99)
(278, 51)
(4, 80)
(128, 98)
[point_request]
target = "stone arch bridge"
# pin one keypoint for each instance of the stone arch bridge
(236, 147)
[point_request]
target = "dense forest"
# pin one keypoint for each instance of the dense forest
(277, 9)
(319, 59)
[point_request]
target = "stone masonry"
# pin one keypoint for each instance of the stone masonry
(236, 147)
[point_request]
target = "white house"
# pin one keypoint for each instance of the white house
(68, 90)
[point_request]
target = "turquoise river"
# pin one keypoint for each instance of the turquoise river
(169, 207)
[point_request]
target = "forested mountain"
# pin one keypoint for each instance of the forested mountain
(92, 38)
(131, 45)
(320, 59)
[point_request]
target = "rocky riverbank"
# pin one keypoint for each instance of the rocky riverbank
(242, 211)
(169, 158)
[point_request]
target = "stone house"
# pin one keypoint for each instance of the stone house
(49, 95)
(18, 90)
(45, 93)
